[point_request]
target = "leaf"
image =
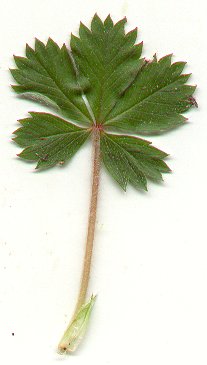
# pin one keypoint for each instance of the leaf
(155, 100)
(102, 81)
(47, 74)
(109, 59)
(132, 160)
(49, 139)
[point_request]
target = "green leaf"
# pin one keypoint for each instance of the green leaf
(155, 100)
(48, 139)
(109, 59)
(132, 160)
(47, 74)
(102, 81)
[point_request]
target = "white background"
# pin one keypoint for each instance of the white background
(150, 259)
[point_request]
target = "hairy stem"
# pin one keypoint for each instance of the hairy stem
(63, 346)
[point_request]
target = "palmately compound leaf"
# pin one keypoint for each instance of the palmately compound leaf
(49, 139)
(124, 91)
(106, 90)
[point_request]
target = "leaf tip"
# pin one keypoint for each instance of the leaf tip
(108, 22)
(38, 43)
(193, 101)
(96, 16)
(108, 17)
(145, 188)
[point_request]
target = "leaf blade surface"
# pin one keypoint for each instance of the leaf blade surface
(132, 160)
(109, 59)
(48, 139)
(155, 101)
(47, 74)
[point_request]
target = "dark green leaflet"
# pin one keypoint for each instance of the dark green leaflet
(47, 74)
(132, 160)
(109, 59)
(48, 139)
(155, 100)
